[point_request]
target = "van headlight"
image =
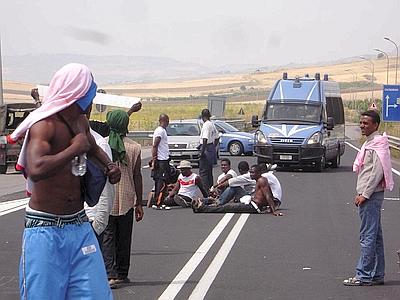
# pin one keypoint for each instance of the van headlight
(316, 138)
(193, 145)
(260, 137)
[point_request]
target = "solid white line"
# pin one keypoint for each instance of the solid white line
(11, 206)
(208, 277)
(177, 283)
(355, 148)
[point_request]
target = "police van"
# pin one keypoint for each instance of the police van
(302, 124)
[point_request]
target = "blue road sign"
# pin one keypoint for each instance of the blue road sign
(391, 103)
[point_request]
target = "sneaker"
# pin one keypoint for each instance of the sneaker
(113, 283)
(165, 207)
(181, 202)
(124, 280)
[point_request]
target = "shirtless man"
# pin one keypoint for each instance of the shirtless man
(63, 253)
(260, 199)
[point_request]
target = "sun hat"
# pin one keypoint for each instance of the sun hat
(184, 164)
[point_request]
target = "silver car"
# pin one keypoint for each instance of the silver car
(184, 140)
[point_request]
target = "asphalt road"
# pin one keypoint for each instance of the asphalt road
(303, 255)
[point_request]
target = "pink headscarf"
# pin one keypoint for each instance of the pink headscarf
(380, 145)
(68, 84)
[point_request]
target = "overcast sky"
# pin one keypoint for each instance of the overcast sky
(210, 32)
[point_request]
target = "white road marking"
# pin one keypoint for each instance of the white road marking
(208, 277)
(355, 148)
(11, 206)
(177, 283)
(391, 199)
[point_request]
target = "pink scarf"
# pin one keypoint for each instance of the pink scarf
(380, 145)
(68, 84)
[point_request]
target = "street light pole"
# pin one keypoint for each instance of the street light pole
(372, 77)
(1, 79)
(397, 55)
(354, 76)
(387, 67)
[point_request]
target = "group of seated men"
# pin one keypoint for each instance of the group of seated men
(255, 190)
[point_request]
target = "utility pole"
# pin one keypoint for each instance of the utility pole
(1, 78)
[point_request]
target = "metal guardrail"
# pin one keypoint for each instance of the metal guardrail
(394, 142)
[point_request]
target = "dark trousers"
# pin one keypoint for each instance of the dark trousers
(160, 176)
(117, 238)
(206, 166)
(228, 208)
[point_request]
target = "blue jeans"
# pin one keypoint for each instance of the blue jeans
(371, 264)
(230, 193)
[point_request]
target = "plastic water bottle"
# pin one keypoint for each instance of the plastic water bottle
(79, 165)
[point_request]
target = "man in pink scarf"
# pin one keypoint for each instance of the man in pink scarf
(61, 258)
(374, 169)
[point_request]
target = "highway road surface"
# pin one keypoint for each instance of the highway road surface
(304, 254)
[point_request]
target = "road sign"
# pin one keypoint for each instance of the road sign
(101, 108)
(391, 103)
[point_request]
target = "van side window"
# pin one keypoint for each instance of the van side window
(334, 108)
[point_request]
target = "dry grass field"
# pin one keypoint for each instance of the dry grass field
(232, 84)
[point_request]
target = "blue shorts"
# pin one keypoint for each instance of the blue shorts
(62, 262)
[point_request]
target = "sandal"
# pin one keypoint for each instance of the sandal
(353, 281)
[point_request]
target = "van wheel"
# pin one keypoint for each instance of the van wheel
(261, 160)
(235, 148)
(3, 169)
(320, 166)
(335, 163)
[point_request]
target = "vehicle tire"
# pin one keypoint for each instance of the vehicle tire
(335, 163)
(235, 148)
(261, 160)
(3, 169)
(320, 166)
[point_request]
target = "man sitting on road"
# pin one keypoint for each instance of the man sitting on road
(259, 202)
(186, 187)
(227, 173)
(238, 186)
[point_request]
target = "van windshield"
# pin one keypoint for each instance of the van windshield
(297, 112)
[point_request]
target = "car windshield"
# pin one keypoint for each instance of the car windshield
(226, 127)
(183, 129)
(298, 112)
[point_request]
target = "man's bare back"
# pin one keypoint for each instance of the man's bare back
(263, 195)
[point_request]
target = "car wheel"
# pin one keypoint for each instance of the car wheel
(3, 169)
(320, 166)
(235, 148)
(335, 163)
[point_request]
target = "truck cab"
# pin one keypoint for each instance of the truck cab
(11, 115)
(302, 124)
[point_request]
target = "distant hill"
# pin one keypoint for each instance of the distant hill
(39, 68)
(108, 69)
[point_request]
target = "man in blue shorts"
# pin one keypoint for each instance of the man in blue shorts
(61, 258)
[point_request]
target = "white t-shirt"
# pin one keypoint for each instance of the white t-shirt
(209, 132)
(163, 150)
(275, 185)
(188, 185)
(230, 172)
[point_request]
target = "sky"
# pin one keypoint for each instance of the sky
(208, 32)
